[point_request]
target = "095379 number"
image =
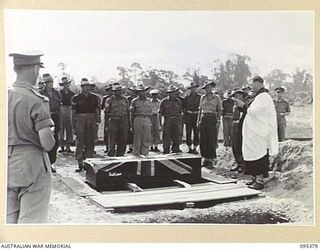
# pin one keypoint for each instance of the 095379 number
(309, 246)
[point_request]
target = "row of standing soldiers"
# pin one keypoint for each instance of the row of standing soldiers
(136, 121)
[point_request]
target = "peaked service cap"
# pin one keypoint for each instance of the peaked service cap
(27, 58)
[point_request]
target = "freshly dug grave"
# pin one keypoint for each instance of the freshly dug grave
(289, 196)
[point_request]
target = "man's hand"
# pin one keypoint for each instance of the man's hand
(272, 158)
(74, 131)
(218, 124)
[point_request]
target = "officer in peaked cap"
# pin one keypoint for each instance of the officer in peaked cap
(84, 108)
(283, 109)
(31, 58)
(29, 139)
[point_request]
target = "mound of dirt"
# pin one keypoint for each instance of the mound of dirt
(292, 165)
(290, 184)
(295, 163)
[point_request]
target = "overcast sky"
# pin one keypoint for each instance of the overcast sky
(94, 43)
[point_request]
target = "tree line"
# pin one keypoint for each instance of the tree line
(229, 74)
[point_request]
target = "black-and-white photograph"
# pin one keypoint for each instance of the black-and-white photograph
(162, 117)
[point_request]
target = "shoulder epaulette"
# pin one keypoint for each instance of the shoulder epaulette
(44, 98)
(134, 99)
(166, 98)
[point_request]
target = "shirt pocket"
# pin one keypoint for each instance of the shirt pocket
(122, 108)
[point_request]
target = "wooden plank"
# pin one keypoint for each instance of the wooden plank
(159, 195)
(174, 191)
(134, 187)
(201, 188)
(174, 167)
(216, 178)
(78, 186)
(165, 199)
(182, 184)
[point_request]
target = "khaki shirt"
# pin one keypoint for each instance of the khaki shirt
(141, 107)
(117, 107)
(155, 105)
(210, 104)
(282, 106)
(28, 112)
(83, 104)
(191, 102)
(170, 108)
(54, 99)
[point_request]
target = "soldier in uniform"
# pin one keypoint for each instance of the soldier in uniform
(130, 97)
(171, 110)
(155, 125)
(98, 115)
(181, 98)
(117, 109)
(210, 110)
(283, 109)
(141, 112)
(54, 103)
(237, 130)
(66, 135)
(84, 122)
(190, 110)
(220, 94)
(30, 137)
(41, 85)
(108, 91)
(227, 116)
(248, 94)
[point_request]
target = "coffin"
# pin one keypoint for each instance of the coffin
(114, 173)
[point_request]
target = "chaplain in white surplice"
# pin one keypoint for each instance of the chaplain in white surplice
(259, 133)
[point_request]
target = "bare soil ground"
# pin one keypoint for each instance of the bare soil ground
(289, 190)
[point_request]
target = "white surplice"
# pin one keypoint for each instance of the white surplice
(260, 129)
